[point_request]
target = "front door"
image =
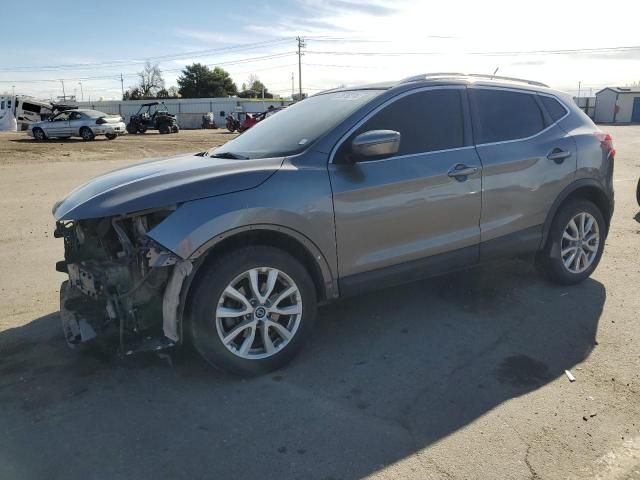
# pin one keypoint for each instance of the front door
(414, 213)
(59, 126)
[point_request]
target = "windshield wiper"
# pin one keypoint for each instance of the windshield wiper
(230, 155)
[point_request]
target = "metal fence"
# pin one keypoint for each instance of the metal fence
(188, 111)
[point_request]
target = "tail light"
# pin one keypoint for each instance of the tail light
(101, 121)
(606, 142)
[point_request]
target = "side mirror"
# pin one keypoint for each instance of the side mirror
(375, 143)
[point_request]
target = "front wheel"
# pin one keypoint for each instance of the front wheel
(164, 128)
(38, 134)
(575, 243)
(175, 129)
(252, 310)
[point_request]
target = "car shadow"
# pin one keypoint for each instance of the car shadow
(384, 376)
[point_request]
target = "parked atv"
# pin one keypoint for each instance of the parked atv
(154, 116)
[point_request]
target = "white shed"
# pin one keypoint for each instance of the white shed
(618, 105)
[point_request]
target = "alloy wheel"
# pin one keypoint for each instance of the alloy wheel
(258, 313)
(580, 242)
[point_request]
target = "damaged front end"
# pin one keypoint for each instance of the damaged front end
(122, 286)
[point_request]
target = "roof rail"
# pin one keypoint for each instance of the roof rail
(426, 76)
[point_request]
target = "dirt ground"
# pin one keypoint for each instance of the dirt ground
(458, 377)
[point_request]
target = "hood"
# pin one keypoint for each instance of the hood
(162, 183)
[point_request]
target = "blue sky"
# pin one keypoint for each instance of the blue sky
(348, 41)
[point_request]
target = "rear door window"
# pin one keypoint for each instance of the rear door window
(502, 115)
(428, 121)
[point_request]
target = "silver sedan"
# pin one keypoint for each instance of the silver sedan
(78, 123)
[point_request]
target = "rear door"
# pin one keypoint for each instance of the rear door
(410, 214)
(527, 161)
(76, 121)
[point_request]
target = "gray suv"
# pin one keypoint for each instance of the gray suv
(350, 190)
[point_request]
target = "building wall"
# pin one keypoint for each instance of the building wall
(188, 111)
(605, 106)
(626, 107)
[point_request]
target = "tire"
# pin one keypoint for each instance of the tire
(207, 328)
(131, 129)
(142, 129)
(175, 129)
(164, 128)
(111, 136)
(38, 135)
(87, 134)
(638, 192)
(550, 261)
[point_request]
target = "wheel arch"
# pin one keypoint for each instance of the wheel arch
(587, 189)
(286, 239)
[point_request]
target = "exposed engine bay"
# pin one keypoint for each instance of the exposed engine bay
(118, 280)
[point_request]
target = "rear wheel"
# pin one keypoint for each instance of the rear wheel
(252, 310)
(38, 134)
(175, 129)
(164, 128)
(87, 134)
(142, 129)
(111, 136)
(575, 244)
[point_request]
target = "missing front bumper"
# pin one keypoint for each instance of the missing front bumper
(75, 327)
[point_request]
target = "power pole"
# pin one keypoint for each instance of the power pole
(81, 92)
(122, 85)
(64, 95)
(301, 45)
(579, 84)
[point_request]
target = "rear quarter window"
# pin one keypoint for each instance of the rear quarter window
(555, 110)
(502, 115)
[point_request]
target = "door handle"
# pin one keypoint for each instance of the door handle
(460, 172)
(558, 155)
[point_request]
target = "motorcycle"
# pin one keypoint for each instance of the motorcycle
(232, 123)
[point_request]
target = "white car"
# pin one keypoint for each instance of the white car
(78, 123)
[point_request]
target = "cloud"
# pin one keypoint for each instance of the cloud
(366, 8)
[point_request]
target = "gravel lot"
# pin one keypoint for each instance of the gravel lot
(456, 377)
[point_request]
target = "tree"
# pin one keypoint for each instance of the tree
(151, 81)
(255, 90)
(199, 81)
(173, 92)
(133, 94)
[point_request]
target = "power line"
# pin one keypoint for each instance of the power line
(134, 74)
(157, 59)
(488, 53)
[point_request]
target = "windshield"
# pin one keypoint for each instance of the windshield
(296, 127)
